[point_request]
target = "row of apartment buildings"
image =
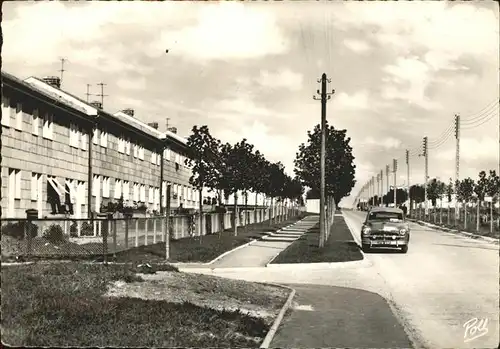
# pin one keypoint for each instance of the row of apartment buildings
(62, 155)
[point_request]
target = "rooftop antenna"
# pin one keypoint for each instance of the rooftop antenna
(88, 92)
(62, 70)
(102, 95)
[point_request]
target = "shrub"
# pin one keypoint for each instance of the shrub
(54, 233)
(86, 229)
(16, 230)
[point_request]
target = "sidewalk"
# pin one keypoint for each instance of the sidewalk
(259, 253)
(329, 316)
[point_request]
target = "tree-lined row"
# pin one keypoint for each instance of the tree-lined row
(467, 192)
(232, 168)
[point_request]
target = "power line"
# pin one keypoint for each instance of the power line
(443, 135)
(471, 126)
(485, 109)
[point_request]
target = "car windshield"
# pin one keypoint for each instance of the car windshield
(385, 216)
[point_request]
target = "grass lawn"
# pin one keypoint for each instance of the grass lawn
(193, 250)
(76, 304)
(340, 247)
(484, 229)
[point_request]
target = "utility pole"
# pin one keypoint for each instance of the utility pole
(62, 70)
(378, 189)
(408, 176)
(102, 95)
(88, 92)
(457, 163)
(381, 187)
(324, 97)
(395, 169)
(387, 179)
(426, 172)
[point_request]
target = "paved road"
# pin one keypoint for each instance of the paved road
(443, 281)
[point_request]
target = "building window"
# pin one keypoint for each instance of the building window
(118, 188)
(19, 117)
(73, 135)
(127, 147)
(136, 192)
(158, 159)
(36, 186)
(141, 153)
(15, 183)
(166, 154)
(6, 111)
(36, 122)
(95, 136)
(121, 144)
(126, 191)
(143, 193)
(95, 184)
(105, 187)
(83, 144)
(104, 139)
(153, 157)
(150, 194)
(48, 126)
(156, 198)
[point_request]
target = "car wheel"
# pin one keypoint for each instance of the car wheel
(365, 248)
(404, 249)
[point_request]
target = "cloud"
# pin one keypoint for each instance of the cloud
(225, 31)
(473, 149)
(131, 83)
(387, 142)
(357, 46)
(408, 80)
(264, 140)
(243, 108)
(356, 101)
(284, 78)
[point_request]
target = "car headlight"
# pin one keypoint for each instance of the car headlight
(366, 231)
(403, 232)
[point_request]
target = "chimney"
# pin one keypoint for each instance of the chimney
(153, 125)
(52, 81)
(129, 112)
(96, 104)
(172, 129)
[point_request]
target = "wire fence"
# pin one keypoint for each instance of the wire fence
(467, 220)
(100, 238)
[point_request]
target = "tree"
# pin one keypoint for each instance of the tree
(203, 157)
(449, 192)
(401, 196)
(417, 194)
(480, 191)
(464, 194)
(492, 190)
(274, 179)
(233, 177)
(440, 190)
(432, 191)
(339, 166)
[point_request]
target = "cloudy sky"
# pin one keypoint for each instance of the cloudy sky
(401, 70)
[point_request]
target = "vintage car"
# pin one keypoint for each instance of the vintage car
(385, 227)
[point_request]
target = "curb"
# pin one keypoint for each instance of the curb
(272, 331)
(320, 265)
(455, 232)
